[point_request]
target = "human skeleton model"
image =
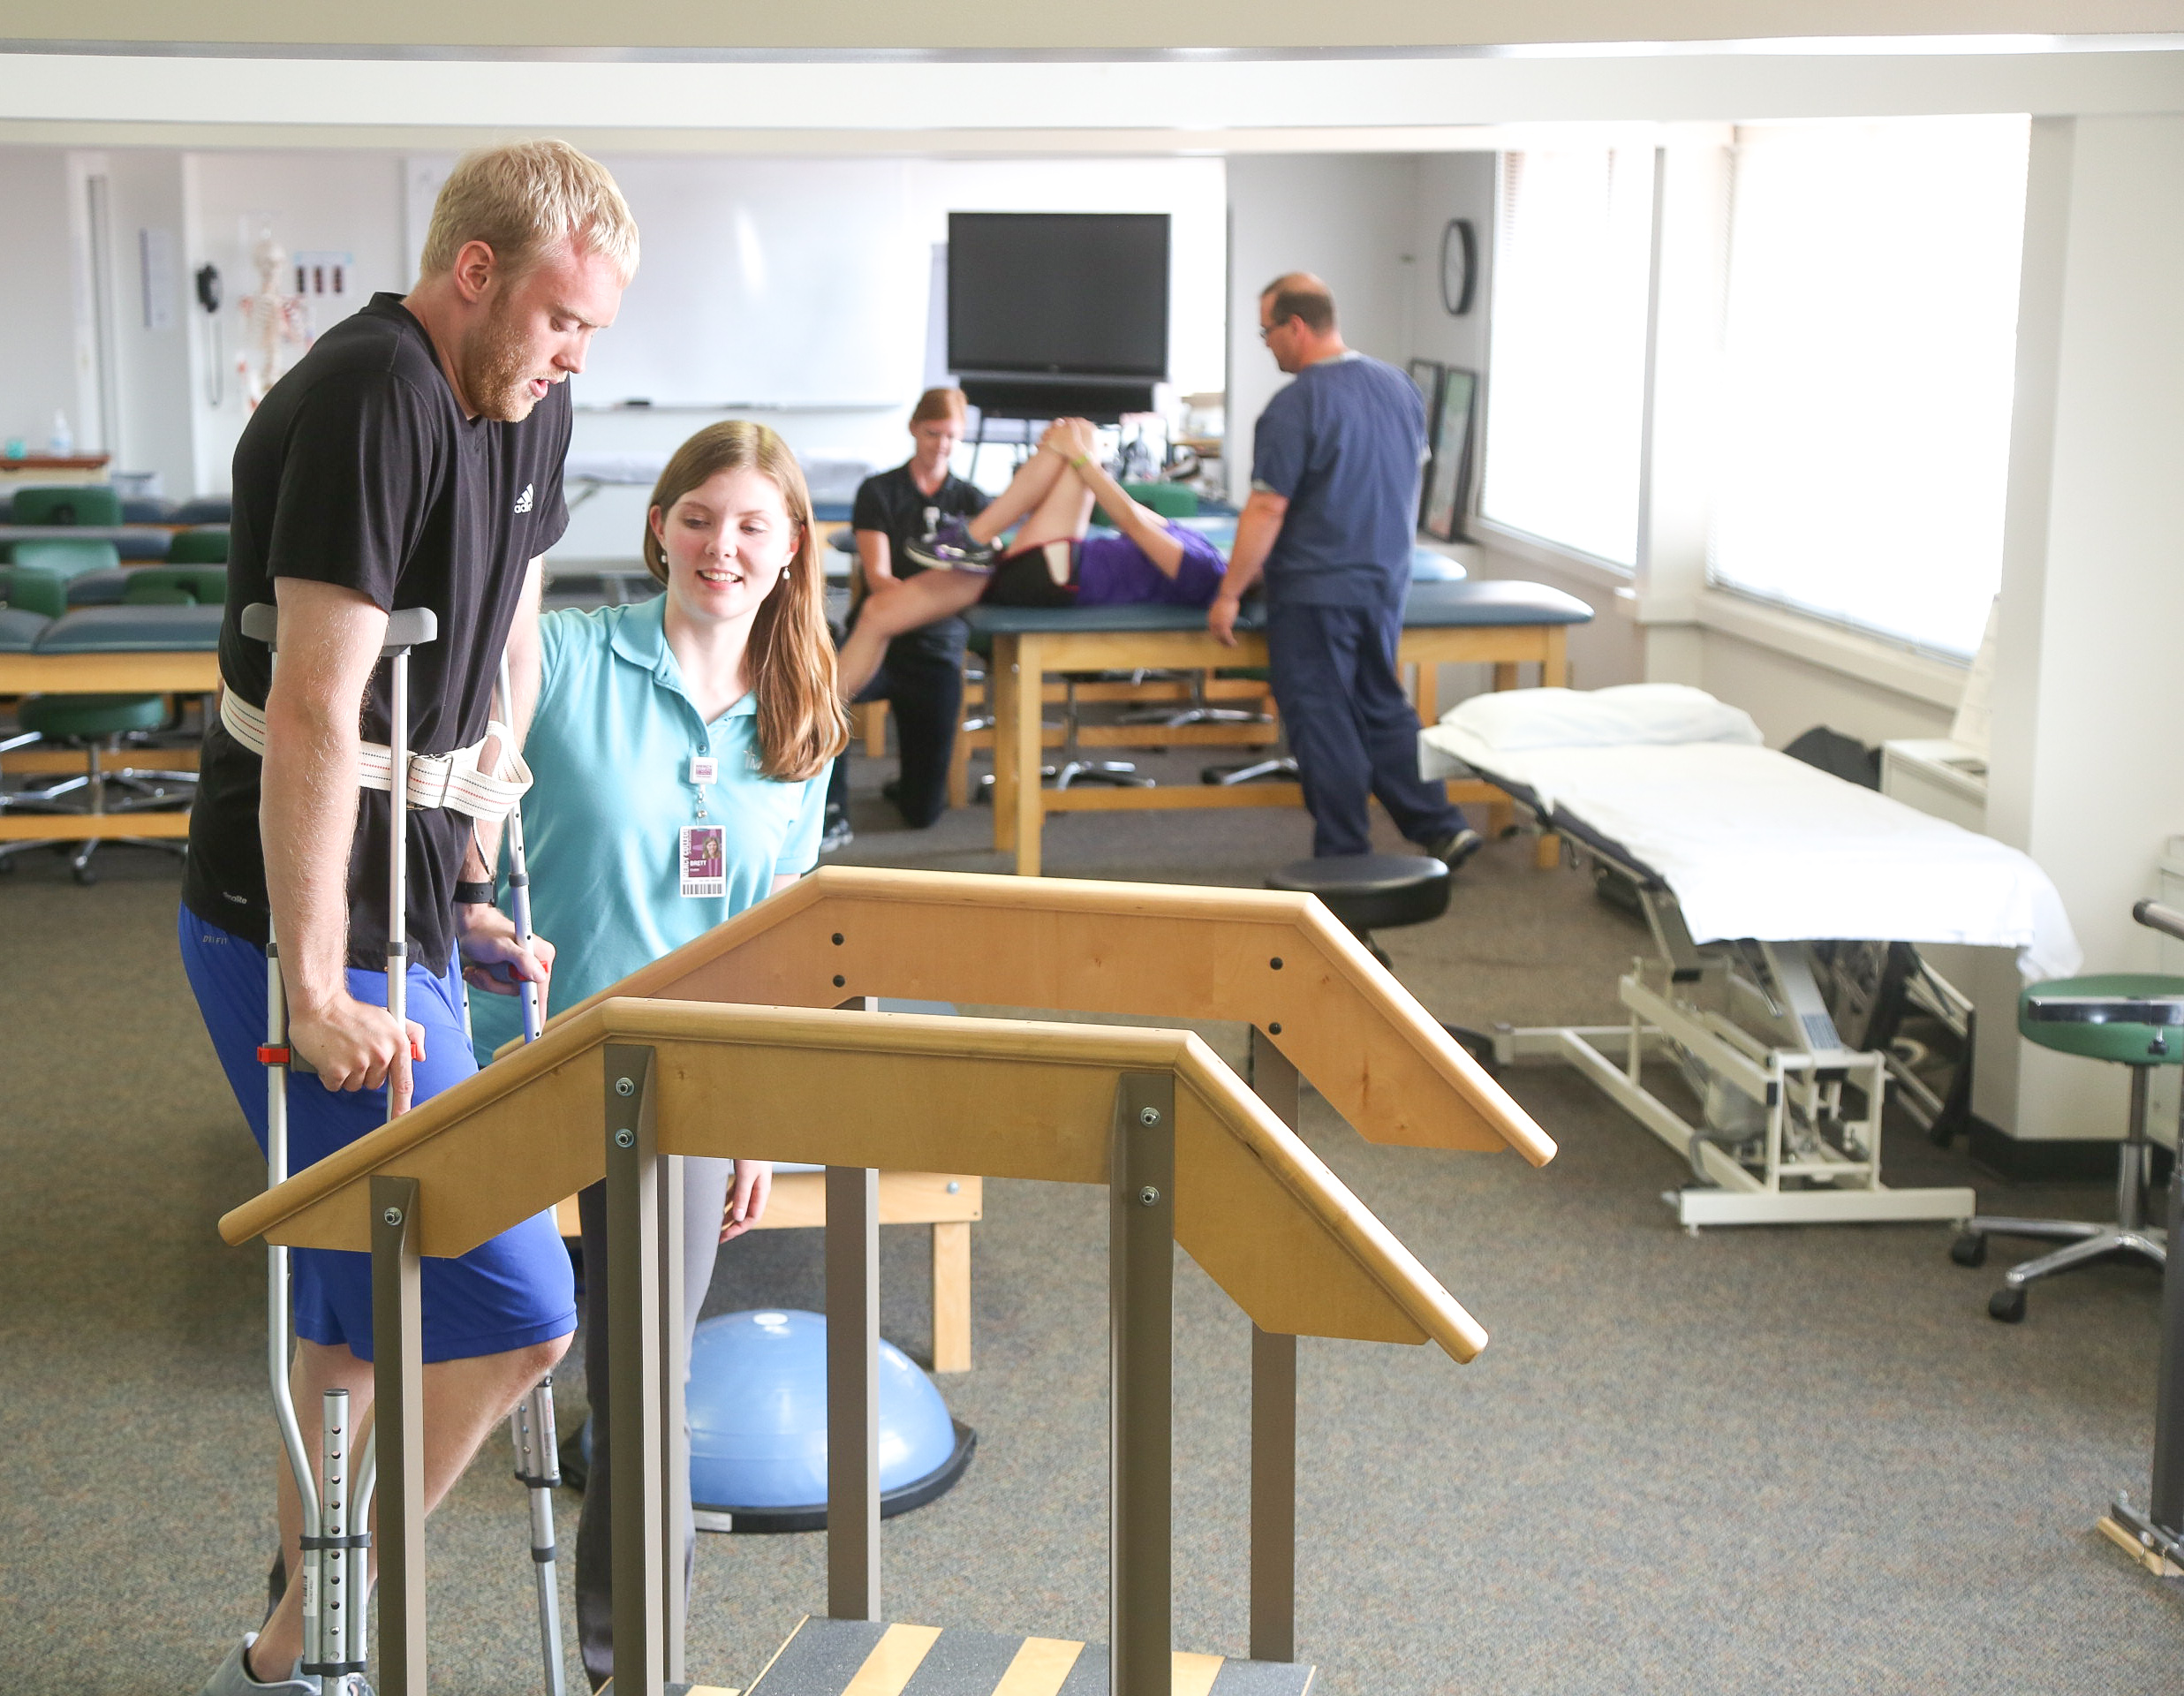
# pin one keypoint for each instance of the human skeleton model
(273, 319)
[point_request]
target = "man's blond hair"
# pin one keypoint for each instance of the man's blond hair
(524, 201)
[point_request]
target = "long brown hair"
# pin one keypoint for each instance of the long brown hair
(801, 721)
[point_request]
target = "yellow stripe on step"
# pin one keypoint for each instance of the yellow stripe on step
(1194, 1674)
(1039, 1668)
(892, 1661)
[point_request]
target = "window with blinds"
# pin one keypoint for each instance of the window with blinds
(1869, 351)
(1566, 392)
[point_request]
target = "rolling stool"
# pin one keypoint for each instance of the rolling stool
(96, 723)
(1370, 892)
(2134, 1020)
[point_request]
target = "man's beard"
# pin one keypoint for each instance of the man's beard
(496, 369)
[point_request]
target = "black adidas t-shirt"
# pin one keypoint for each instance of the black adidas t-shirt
(360, 469)
(892, 503)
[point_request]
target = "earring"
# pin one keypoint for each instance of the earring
(784, 573)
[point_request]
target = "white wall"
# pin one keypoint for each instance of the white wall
(1349, 218)
(313, 201)
(2090, 684)
(151, 332)
(38, 375)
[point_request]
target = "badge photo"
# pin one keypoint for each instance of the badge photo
(704, 856)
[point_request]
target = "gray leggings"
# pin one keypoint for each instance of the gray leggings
(705, 1193)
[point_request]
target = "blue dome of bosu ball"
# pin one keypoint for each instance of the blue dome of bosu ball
(758, 1424)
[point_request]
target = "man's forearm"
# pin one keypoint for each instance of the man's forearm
(1257, 528)
(306, 821)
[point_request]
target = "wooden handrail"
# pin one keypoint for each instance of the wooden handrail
(1258, 1210)
(1140, 950)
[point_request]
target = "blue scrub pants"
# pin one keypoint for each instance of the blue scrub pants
(1352, 732)
(507, 1293)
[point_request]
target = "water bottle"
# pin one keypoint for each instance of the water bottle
(62, 442)
(932, 521)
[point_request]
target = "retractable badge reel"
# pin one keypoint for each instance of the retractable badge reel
(703, 848)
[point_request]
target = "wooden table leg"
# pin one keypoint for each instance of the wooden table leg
(1427, 695)
(1001, 690)
(1554, 668)
(1026, 720)
(951, 1296)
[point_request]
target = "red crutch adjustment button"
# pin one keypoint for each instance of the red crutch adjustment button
(272, 1056)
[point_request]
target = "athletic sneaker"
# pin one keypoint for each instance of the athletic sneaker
(835, 836)
(951, 548)
(1454, 851)
(233, 1677)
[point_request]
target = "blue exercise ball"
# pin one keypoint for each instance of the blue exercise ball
(758, 1423)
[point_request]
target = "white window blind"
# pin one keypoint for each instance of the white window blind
(1565, 396)
(1869, 341)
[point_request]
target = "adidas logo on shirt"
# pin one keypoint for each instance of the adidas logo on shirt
(523, 500)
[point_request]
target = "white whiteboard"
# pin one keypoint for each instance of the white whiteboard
(790, 282)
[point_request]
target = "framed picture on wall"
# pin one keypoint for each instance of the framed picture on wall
(1448, 475)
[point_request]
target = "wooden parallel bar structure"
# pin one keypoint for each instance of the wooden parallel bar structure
(1188, 1154)
(1021, 804)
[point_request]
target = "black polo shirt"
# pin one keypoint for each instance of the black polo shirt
(360, 469)
(892, 503)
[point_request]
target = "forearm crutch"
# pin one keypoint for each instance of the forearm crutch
(336, 1507)
(537, 1459)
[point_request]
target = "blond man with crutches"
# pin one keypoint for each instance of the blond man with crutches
(412, 460)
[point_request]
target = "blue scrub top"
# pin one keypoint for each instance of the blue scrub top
(609, 749)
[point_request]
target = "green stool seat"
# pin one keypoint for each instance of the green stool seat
(90, 716)
(2125, 1043)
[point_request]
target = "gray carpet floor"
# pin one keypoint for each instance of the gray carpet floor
(1778, 1459)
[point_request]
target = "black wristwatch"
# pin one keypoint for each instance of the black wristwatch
(474, 895)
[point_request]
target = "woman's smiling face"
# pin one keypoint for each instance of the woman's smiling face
(727, 542)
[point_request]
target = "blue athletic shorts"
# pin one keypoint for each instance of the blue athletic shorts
(508, 1293)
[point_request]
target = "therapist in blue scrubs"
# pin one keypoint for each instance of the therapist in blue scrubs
(680, 750)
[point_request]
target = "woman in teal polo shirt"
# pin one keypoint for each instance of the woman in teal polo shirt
(680, 750)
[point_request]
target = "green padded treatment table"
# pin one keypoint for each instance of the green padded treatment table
(1506, 625)
(2121, 1042)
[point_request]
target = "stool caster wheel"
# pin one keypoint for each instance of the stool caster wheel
(1970, 1249)
(2007, 1305)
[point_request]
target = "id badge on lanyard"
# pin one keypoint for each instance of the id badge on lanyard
(703, 848)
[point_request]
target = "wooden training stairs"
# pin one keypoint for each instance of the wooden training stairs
(1188, 1152)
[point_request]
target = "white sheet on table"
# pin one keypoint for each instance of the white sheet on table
(1756, 844)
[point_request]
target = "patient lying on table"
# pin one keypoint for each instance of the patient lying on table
(1049, 562)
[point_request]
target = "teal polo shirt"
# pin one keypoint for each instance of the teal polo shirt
(611, 749)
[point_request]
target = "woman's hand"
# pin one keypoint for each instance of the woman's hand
(493, 960)
(1055, 438)
(747, 1197)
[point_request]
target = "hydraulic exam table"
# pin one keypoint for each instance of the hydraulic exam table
(1503, 624)
(1743, 858)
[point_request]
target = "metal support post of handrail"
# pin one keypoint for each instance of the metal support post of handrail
(1273, 1422)
(852, 1392)
(633, 1286)
(675, 1529)
(1141, 1307)
(398, 1432)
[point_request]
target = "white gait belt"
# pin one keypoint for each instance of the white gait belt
(455, 780)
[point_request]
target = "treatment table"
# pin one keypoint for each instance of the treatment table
(1743, 859)
(106, 651)
(1502, 624)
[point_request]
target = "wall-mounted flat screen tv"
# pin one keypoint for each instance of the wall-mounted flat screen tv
(1060, 293)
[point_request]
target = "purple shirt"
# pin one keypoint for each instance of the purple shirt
(1113, 571)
